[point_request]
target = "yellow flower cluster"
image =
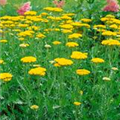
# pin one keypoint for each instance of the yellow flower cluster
(53, 9)
(66, 26)
(110, 42)
(23, 45)
(82, 72)
(1, 61)
(97, 60)
(56, 42)
(63, 62)
(77, 103)
(30, 13)
(39, 71)
(86, 20)
(3, 41)
(28, 59)
(75, 36)
(78, 55)
(72, 44)
(109, 33)
(40, 35)
(34, 107)
(5, 77)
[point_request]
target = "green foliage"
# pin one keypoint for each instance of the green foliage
(56, 92)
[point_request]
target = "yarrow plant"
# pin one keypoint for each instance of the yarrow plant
(112, 6)
(24, 8)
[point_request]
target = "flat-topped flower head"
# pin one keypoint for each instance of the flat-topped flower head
(109, 33)
(63, 62)
(24, 45)
(3, 41)
(53, 9)
(72, 44)
(1, 61)
(86, 20)
(5, 77)
(97, 60)
(77, 103)
(30, 13)
(111, 42)
(75, 36)
(28, 59)
(78, 55)
(34, 107)
(82, 72)
(66, 26)
(39, 71)
(40, 35)
(56, 42)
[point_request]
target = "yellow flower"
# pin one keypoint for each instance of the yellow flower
(1, 61)
(23, 25)
(114, 26)
(99, 26)
(86, 20)
(21, 38)
(63, 61)
(110, 42)
(69, 14)
(78, 55)
(3, 41)
(109, 33)
(56, 42)
(44, 14)
(40, 35)
(97, 60)
(26, 33)
(16, 30)
(74, 36)
(72, 44)
(77, 103)
(28, 59)
(65, 17)
(30, 13)
(66, 31)
(40, 71)
(24, 45)
(56, 65)
(34, 107)
(82, 72)
(84, 25)
(66, 26)
(53, 9)
(5, 77)
(76, 24)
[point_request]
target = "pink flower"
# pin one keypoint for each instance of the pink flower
(26, 7)
(3, 2)
(59, 4)
(112, 5)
